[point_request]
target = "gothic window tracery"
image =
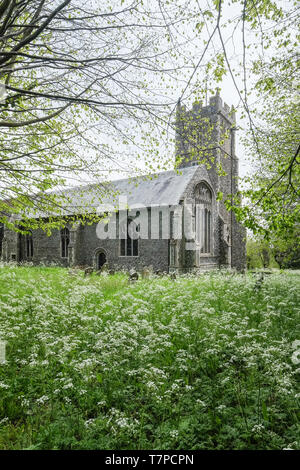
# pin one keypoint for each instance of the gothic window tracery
(203, 209)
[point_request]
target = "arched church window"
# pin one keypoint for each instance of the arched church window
(65, 240)
(203, 208)
(203, 193)
(129, 245)
(29, 245)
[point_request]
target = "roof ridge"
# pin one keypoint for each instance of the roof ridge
(91, 185)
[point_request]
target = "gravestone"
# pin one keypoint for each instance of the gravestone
(104, 268)
(145, 273)
(88, 271)
(133, 275)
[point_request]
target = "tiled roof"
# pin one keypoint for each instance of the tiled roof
(165, 188)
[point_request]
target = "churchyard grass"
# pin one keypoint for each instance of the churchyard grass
(205, 362)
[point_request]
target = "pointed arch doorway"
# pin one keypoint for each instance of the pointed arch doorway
(100, 259)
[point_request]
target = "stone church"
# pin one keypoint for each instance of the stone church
(171, 221)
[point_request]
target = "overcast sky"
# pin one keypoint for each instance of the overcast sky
(190, 47)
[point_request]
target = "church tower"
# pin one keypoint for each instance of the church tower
(205, 135)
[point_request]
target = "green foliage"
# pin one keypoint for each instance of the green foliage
(284, 254)
(272, 210)
(260, 254)
(79, 101)
(84, 87)
(192, 363)
(287, 252)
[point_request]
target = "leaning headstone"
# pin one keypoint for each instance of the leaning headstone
(88, 271)
(145, 273)
(133, 276)
(73, 272)
(259, 282)
(104, 268)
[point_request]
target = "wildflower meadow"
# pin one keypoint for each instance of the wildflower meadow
(207, 362)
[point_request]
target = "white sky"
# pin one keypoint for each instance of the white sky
(232, 36)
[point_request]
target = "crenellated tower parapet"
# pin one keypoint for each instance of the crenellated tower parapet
(205, 135)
